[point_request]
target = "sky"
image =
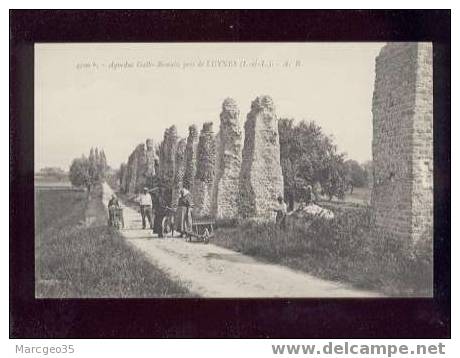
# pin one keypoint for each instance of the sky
(115, 96)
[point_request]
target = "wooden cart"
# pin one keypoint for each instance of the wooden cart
(167, 224)
(202, 230)
(116, 218)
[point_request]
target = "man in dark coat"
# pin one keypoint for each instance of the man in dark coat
(113, 205)
(159, 206)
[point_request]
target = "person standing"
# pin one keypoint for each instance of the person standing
(159, 206)
(309, 196)
(145, 203)
(184, 219)
(113, 205)
(281, 212)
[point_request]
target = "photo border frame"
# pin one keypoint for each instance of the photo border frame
(205, 317)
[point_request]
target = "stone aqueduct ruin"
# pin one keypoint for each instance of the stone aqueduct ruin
(402, 146)
(232, 179)
(226, 180)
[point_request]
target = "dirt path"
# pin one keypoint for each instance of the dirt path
(212, 271)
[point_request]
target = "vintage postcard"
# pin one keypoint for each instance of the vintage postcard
(234, 170)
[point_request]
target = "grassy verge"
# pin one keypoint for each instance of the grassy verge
(340, 250)
(77, 255)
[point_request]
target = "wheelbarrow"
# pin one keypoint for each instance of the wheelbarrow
(116, 218)
(202, 230)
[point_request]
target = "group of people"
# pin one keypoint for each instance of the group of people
(281, 207)
(154, 207)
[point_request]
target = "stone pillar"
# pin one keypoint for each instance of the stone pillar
(206, 156)
(228, 163)
(261, 179)
(402, 146)
(134, 169)
(151, 163)
(150, 158)
(128, 175)
(140, 167)
(122, 177)
(190, 158)
(180, 171)
(167, 161)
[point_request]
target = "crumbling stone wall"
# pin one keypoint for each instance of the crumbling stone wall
(228, 163)
(402, 193)
(261, 179)
(206, 156)
(151, 158)
(140, 170)
(180, 171)
(132, 179)
(167, 160)
(190, 158)
(123, 177)
(121, 174)
(151, 164)
(140, 167)
(129, 174)
(215, 183)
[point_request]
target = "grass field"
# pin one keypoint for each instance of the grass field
(340, 250)
(78, 256)
(361, 196)
(40, 181)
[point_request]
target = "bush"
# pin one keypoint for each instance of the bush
(343, 249)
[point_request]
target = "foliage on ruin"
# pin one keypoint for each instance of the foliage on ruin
(308, 156)
(206, 154)
(168, 156)
(190, 157)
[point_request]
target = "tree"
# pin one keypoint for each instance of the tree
(333, 179)
(79, 173)
(355, 174)
(307, 157)
(93, 166)
(102, 164)
(368, 169)
(89, 171)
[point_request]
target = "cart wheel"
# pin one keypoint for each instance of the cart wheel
(206, 236)
(165, 226)
(171, 223)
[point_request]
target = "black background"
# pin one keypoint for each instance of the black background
(215, 318)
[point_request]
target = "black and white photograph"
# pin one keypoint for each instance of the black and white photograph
(233, 170)
(230, 174)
